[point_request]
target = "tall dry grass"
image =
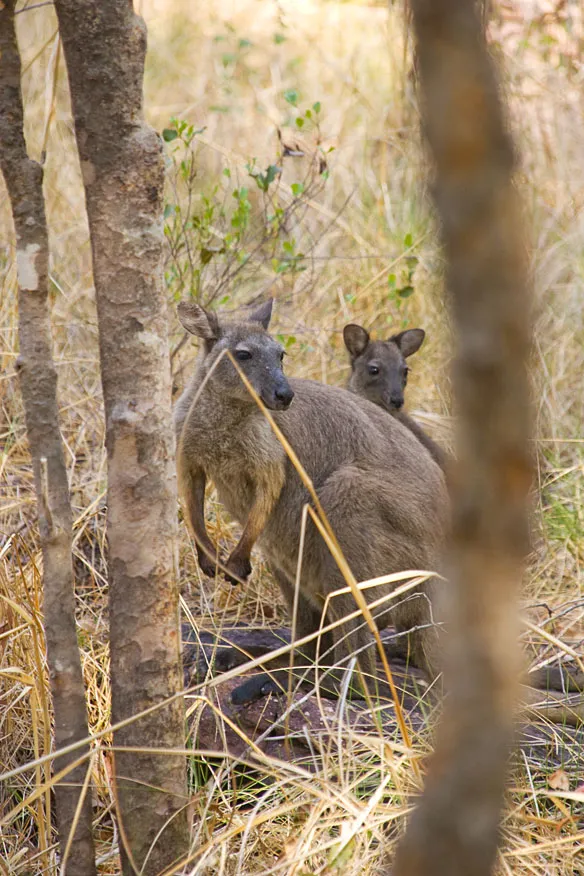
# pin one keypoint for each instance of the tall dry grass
(226, 68)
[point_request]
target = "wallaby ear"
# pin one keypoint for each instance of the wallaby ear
(263, 314)
(409, 341)
(196, 320)
(356, 339)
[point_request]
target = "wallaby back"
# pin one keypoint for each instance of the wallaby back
(384, 496)
(379, 373)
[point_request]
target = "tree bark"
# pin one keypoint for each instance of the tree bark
(104, 44)
(38, 383)
(455, 828)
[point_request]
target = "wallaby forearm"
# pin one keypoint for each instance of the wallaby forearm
(192, 482)
(269, 485)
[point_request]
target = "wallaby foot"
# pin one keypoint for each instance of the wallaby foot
(264, 684)
(254, 689)
(331, 685)
(235, 571)
(207, 566)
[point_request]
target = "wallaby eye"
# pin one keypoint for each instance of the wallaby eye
(242, 355)
(373, 369)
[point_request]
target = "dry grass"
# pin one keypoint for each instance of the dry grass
(351, 58)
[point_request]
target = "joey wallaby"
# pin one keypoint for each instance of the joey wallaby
(379, 372)
(383, 494)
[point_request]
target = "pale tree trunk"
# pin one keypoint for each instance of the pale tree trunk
(38, 383)
(455, 828)
(104, 45)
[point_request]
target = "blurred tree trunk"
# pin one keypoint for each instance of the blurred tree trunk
(38, 383)
(104, 43)
(455, 829)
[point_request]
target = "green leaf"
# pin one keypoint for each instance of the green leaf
(272, 172)
(297, 189)
(279, 38)
(408, 240)
(244, 43)
(299, 122)
(405, 291)
(208, 253)
(291, 96)
(316, 107)
(264, 180)
(286, 340)
(169, 134)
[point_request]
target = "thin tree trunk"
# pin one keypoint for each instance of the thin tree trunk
(38, 383)
(455, 829)
(104, 45)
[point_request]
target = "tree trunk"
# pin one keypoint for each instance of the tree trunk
(455, 828)
(104, 45)
(38, 383)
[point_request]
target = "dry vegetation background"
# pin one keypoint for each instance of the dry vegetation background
(353, 241)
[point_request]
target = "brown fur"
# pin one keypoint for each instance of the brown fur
(385, 388)
(384, 496)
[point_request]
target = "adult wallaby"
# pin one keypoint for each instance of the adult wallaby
(379, 372)
(384, 496)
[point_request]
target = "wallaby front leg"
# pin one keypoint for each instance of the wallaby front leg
(193, 489)
(268, 489)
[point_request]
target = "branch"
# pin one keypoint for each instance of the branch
(455, 828)
(104, 43)
(38, 383)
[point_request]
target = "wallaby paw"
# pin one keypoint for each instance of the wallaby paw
(254, 689)
(237, 570)
(207, 566)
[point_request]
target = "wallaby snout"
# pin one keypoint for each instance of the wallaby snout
(282, 397)
(396, 401)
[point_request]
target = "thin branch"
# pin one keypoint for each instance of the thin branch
(38, 383)
(455, 828)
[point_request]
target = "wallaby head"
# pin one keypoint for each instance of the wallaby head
(258, 355)
(379, 371)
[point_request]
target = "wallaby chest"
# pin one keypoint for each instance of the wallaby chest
(234, 449)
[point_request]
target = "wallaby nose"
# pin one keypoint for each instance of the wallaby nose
(284, 395)
(397, 401)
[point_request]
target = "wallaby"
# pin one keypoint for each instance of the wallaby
(379, 372)
(384, 496)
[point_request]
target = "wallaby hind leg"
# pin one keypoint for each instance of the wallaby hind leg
(350, 638)
(307, 621)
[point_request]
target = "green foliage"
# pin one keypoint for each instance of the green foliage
(224, 234)
(401, 283)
